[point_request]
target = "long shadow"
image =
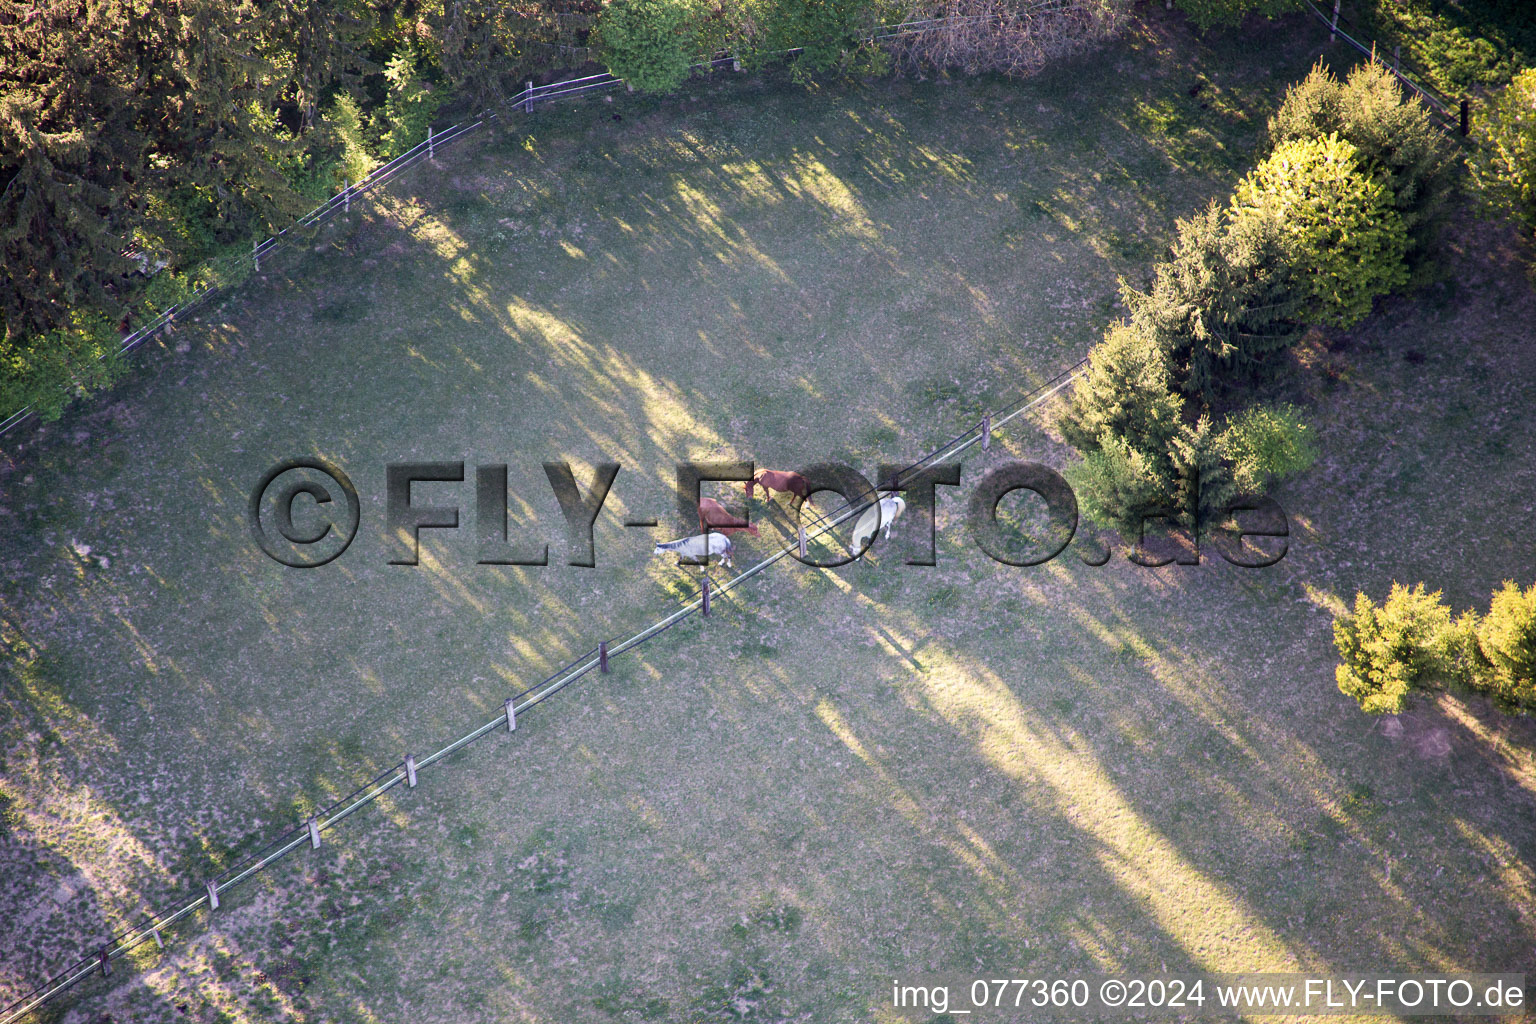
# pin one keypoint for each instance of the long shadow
(500, 315)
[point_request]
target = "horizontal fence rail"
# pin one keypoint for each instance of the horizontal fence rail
(151, 927)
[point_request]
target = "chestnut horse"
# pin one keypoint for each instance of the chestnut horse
(771, 480)
(713, 516)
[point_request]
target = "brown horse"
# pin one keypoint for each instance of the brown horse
(771, 480)
(713, 516)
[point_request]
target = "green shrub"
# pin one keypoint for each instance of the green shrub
(1388, 651)
(828, 33)
(1503, 163)
(1224, 303)
(1338, 222)
(649, 43)
(1265, 444)
(1393, 133)
(47, 371)
(1506, 638)
(1123, 417)
(353, 161)
(409, 108)
(1208, 14)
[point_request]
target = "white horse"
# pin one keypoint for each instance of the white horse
(878, 516)
(695, 547)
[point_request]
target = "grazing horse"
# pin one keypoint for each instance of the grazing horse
(879, 516)
(771, 480)
(700, 546)
(713, 516)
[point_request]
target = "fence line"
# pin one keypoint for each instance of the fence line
(228, 266)
(311, 830)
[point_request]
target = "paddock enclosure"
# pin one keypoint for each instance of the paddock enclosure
(840, 776)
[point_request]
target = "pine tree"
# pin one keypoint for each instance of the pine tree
(1336, 222)
(490, 49)
(69, 153)
(212, 86)
(1126, 393)
(1393, 135)
(1223, 304)
(317, 45)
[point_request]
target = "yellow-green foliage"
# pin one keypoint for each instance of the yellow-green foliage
(1507, 639)
(1267, 443)
(1386, 651)
(1410, 640)
(1343, 235)
(1504, 162)
(354, 162)
(1391, 129)
(409, 109)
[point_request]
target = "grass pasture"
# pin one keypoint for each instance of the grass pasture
(842, 777)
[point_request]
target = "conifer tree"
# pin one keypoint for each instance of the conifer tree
(1224, 302)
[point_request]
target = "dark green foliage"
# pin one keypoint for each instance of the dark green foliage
(1124, 417)
(1392, 131)
(1127, 392)
(649, 43)
(830, 34)
(1208, 14)
(1457, 48)
(139, 140)
(1224, 304)
(491, 49)
(69, 149)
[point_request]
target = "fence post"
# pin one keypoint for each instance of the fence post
(410, 771)
(706, 595)
(213, 895)
(986, 432)
(159, 943)
(1397, 59)
(256, 255)
(735, 64)
(314, 834)
(1466, 116)
(802, 543)
(1333, 29)
(528, 103)
(602, 656)
(511, 709)
(431, 151)
(346, 195)
(106, 968)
